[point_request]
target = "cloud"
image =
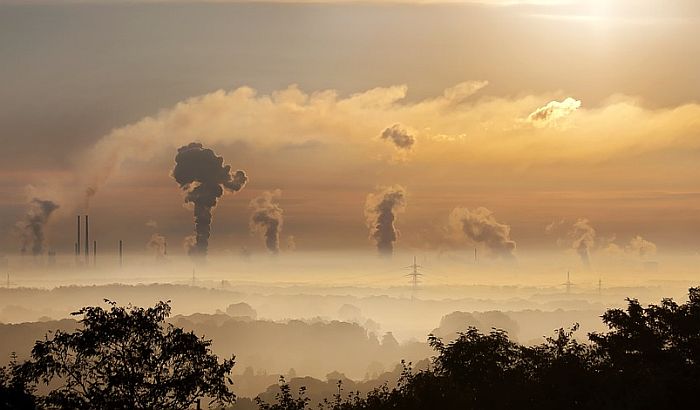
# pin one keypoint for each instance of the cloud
(152, 224)
(399, 136)
(553, 111)
(454, 128)
(481, 227)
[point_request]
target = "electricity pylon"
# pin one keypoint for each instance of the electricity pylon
(414, 275)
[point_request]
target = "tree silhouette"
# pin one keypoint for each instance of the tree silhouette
(285, 399)
(649, 359)
(126, 358)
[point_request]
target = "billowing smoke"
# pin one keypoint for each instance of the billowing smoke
(380, 210)
(33, 223)
(158, 245)
(267, 218)
(399, 136)
(579, 236)
(641, 247)
(481, 227)
(582, 237)
(203, 175)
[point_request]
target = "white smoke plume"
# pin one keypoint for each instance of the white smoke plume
(481, 227)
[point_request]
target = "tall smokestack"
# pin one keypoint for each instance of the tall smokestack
(77, 252)
(120, 253)
(87, 241)
(94, 253)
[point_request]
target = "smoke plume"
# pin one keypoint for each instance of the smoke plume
(203, 175)
(380, 210)
(399, 136)
(157, 244)
(267, 219)
(33, 223)
(583, 236)
(481, 227)
(641, 247)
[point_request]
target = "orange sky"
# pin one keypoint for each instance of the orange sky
(539, 113)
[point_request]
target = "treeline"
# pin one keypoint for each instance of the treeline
(649, 358)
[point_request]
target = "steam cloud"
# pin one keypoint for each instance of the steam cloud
(380, 210)
(641, 247)
(399, 136)
(157, 244)
(267, 219)
(203, 175)
(33, 223)
(583, 240)
(580, 236)
(480, 226)
(553, 111)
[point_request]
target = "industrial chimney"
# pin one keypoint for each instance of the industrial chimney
(120, 253)
(77, 249)
(87, 241)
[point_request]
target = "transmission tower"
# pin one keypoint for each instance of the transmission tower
(415, 277)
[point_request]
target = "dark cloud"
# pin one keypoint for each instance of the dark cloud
(399, 136)
(33, 224)
(380, 210)
(267, 219)
(481, 227)
(203, 175)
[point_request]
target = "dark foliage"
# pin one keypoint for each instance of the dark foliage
(649, 359)
(123, 358)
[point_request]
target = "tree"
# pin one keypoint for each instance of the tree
(285, 399)
(14, 392)
(649, 359)
(127, 358)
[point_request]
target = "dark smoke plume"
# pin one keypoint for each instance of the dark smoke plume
(33, 223)
(399, 136)
(267, 219)
(203, 175)
(480, 226)
(380, 210)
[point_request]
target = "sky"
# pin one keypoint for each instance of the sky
(507, 125)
